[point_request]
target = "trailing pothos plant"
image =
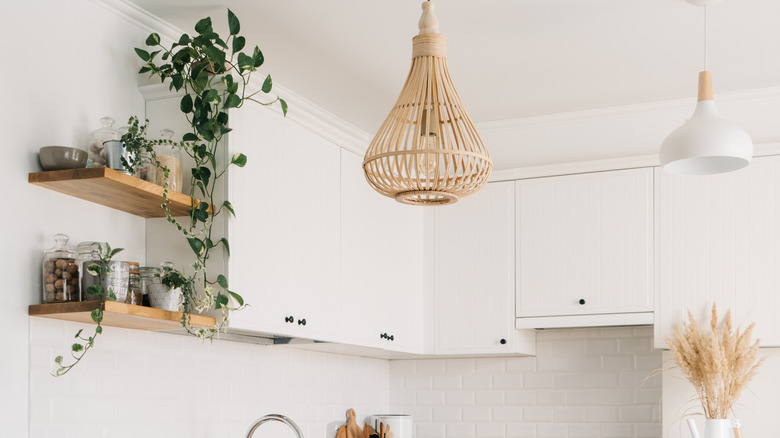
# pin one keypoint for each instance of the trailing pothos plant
(214, 75)
(83, 344)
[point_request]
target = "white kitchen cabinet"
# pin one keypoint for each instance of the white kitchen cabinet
(381, 265)
(285, 237)
(719, 241)
(585, 249)
(474, 275)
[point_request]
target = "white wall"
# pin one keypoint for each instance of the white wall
(582, 383)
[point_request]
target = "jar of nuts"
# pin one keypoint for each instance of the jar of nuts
(60, 273)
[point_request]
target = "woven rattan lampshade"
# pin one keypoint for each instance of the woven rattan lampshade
(428, 151)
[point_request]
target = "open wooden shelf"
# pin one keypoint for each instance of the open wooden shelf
(118, 315)
(114, 189)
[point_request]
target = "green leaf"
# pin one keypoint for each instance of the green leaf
(229, 208)
(222, 118)
(144, 69)
(153, 40)
(232, 101)
(189, 137)
(222, 281)
(76, 347)
(94, 269)
(97, 316)
(203, 26)
(58, 360)
(197, 245)
(115, 252)
(143, 54)
(99, 329)
(217, 56)
(226, 245)
(210, 96)
(186, 104)
(209, 243)
(177, 81)
(78, 333)
(184, 40)
(245, 62)
(111, 296)
(95, 290)
(238, 43)
(257, 57)
(221, 300)
(284, 106)
(239, 299)
(239, 160)
(233, 23)
(267, 84)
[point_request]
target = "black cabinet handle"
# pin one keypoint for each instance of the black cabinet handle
(289, 319)
(502, 341)
(386, 336)
(302, 321)
(582, 301)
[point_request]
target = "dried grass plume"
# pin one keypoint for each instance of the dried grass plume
(717, 360)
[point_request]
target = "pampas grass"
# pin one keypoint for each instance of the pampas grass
(717, 360)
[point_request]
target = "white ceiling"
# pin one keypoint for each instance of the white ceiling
(509, 58)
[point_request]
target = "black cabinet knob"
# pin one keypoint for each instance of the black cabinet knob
(383, 336)
(582, 301)
(302, 321)
(392, 338)
(386, 336)
(502, 341)
(289, 319)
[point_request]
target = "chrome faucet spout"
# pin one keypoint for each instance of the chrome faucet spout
(274, 417)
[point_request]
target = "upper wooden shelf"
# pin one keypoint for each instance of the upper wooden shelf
(118, 315)
(114, 189)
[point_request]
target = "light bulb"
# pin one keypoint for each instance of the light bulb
(429, 161)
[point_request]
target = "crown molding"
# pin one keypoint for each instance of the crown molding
(759, 150)
(633, 110)
(301, 111)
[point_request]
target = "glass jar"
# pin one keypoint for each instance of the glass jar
(169, 157)
(97, 156)
(60, 272)
(134, 294)
(88, 253)
(117, 280)
(146, 169)
(150, 280)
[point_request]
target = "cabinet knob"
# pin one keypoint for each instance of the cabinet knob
(302, 321)
(392, 338)
(383, 336)
(582, 301)
(289, 319)
(502, 341)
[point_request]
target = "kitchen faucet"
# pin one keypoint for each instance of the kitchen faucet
(274, 417)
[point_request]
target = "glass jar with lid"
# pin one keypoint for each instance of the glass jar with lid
(88, 253)
(134, 294)
(150, 280)
(96, 154)
(170, 158)
(60, 272)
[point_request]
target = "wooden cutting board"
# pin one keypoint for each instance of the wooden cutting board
(352, 429)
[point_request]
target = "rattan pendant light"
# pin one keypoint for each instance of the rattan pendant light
(428, 151)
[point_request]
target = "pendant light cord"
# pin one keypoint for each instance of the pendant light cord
(705, 37)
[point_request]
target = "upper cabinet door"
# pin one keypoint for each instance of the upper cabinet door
(285, 237)
(381, 265)
(585, 247)
(719, 241)
(474, 274)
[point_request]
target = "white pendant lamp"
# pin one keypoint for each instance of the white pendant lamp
(707, 143)
(427, 151)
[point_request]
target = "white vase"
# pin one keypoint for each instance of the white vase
(717, 428)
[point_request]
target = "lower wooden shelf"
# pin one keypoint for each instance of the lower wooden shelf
(118, 315)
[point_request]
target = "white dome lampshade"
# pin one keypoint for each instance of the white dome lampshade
(707, 143)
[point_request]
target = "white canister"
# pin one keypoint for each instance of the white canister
(400, 424)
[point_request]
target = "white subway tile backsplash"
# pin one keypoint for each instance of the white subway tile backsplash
(582, 383)
(446, 415)
(447, 382)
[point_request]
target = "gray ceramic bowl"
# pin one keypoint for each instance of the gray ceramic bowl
(62, 157)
